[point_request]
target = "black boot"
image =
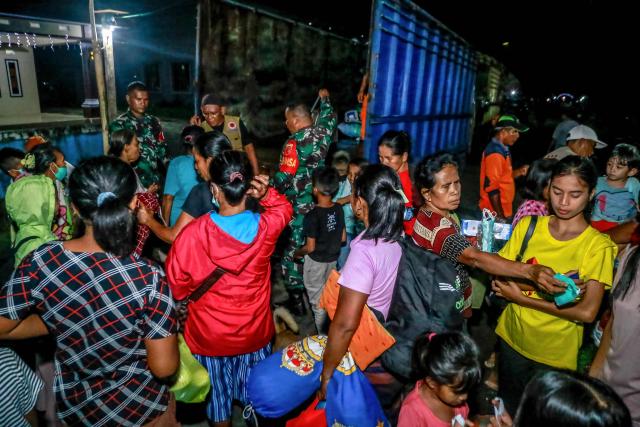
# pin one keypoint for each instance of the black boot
(296, 304)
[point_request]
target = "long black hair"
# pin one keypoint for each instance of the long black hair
(450, 358)
(569, 399)
(101, 189)
(380, 188)
(584, 169)
(232, 173)
(38, 160)
(118, 140)
(211, 144)
(425, 173)
(628, 275)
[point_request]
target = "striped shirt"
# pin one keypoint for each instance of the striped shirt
(19, 388)
(100, 309)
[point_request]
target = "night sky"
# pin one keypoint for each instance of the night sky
(581, 47)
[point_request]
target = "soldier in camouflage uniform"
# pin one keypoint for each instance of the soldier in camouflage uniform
(305, 151)
(153, 148)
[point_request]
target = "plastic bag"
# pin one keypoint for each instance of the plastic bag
(193, 382)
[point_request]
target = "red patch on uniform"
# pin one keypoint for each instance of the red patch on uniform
(232, 125)
(289, 163)
(161, 136)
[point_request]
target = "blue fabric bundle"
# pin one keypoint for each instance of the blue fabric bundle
(285, 380)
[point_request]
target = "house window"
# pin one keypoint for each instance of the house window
(13, 76)
(152, 76)
(180, 76)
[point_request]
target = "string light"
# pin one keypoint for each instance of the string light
(8, 40)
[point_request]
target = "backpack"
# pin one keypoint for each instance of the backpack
(428, 297)
(8, 260)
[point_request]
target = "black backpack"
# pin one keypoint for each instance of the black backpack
(427, 298)
(8, 260)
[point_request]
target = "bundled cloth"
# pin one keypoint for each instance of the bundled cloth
(287, 379)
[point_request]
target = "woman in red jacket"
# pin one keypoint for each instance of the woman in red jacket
(230, 328)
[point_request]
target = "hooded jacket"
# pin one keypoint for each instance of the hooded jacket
(234, 316)
(31, 205)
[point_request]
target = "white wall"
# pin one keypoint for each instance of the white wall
(29, 103)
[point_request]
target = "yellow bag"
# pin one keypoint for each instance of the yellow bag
(193, 382)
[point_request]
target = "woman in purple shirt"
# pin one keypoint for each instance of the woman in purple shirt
(369, 275)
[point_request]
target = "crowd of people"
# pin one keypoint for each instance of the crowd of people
(82, 281)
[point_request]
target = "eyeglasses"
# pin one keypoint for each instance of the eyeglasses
(210, 114)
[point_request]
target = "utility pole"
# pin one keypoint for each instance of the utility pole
(102, 96)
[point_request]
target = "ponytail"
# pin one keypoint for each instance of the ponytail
(102, 189)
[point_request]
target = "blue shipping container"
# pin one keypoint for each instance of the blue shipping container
(421, 80)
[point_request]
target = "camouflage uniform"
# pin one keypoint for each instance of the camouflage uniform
(304, 152)
(153, 148)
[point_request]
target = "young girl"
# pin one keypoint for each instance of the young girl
(535, 191)
(448, 367)
(353, 226)
(535, 333)
(111, 313)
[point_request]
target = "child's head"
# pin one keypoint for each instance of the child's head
(569, 399)
(449, 365)
(377, 201)
(572, 185)
(102, 190)
(341, 162)
(355, 167)
(231, 175)
(325, 182)
(437, 179)
(536, 185)
(623, 162)
(11, 161)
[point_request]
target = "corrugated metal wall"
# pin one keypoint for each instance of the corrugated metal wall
(260, 62)
(421, 80)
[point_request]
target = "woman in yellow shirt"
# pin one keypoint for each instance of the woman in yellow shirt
(534, 333)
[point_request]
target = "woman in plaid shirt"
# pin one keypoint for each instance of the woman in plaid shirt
(110, 312)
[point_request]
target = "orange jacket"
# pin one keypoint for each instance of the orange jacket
(496, 177)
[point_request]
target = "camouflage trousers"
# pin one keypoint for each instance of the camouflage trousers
(292, 269)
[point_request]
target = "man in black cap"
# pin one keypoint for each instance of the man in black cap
(497, 177)
(213, 111)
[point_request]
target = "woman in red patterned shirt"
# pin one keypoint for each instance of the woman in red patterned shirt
(437, 229)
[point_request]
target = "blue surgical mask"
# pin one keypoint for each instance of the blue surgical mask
(61, 173)
(215, 203)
